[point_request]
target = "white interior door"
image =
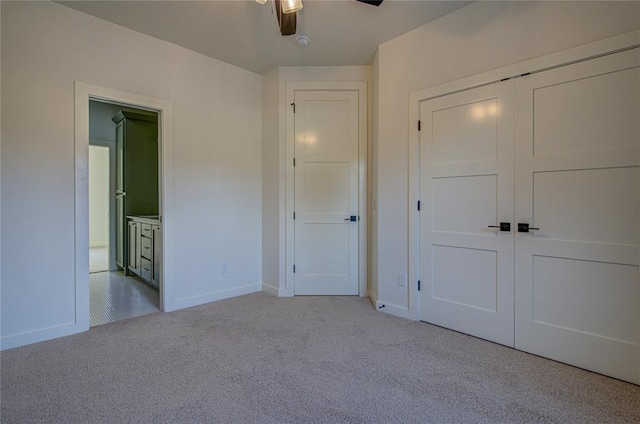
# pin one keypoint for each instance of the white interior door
(466, 185)
(326, 193)
(577, 180)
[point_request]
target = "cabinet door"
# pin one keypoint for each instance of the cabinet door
(134, 247)
(141, 167)
(157, 254)
(120, 199)
(120, 233)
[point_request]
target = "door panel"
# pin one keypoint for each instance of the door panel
(326, 193)
(576, 212)
(454, 143)
(466, 184)
(577, 179)
(595, 298)
(599, 113)
(481, 191)
(474, 285)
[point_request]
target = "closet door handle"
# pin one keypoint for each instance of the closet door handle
(524, 228)
(504, 226)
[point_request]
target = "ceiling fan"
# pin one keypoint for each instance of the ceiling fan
(286, 11)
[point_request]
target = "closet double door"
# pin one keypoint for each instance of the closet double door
(529, 235)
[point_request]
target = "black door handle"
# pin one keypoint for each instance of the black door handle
(524, 228)
(352, 218)
(504, 226)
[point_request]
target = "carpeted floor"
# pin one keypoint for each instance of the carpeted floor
(262, 359)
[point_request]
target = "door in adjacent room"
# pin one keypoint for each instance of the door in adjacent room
(466, 183)
(326, 217)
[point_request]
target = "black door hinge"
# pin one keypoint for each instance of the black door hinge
(419, 125)
(294, 107)
(294, 216)
(418, 285)
(294, 269)
(294, 161)
(418, 205)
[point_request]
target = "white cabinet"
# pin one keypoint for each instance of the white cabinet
(145, 249)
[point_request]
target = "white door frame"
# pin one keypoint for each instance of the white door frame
(361, 88)
(588, 51)
(83, 93)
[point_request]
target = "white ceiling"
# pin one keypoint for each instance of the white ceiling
(245, 33)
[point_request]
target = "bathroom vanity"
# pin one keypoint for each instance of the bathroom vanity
(145, 248)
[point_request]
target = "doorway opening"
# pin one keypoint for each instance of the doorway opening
(124, 255)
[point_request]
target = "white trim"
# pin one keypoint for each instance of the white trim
(565, 57)
(553, 60)
(272, 290)
(84, 92)
(219, 295)
(372, 297)
(23, 339)
(361, 88)
(395, 310)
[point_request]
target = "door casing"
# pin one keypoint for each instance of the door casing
(83, 93)
(361, 88)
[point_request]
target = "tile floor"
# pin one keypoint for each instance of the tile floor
(114, 297)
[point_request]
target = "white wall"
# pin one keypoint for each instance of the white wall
(98, 196)
(274, 149)
(474, 39)
(373, 186)
(216, 160)
(271, 178)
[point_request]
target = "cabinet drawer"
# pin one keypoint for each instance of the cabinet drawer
(145, 230)
(145, 269)
(145, 248)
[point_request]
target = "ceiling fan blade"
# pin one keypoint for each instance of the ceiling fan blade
(372, 2)
(286, 21)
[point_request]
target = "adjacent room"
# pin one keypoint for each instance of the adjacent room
(124, 220)
(320, 211)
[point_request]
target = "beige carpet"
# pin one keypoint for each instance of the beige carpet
(259, 359)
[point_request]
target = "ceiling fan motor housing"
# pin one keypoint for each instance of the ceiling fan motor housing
(286, 21)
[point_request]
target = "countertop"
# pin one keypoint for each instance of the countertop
(146, 219)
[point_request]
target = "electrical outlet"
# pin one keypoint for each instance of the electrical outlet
(224, 268)
(402, 279)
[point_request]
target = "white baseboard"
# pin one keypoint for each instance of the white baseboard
(274, 291)
(373, 298)
(270, 290)
(399, 311)
(24, 339)
(10, 342)
(212, 297)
